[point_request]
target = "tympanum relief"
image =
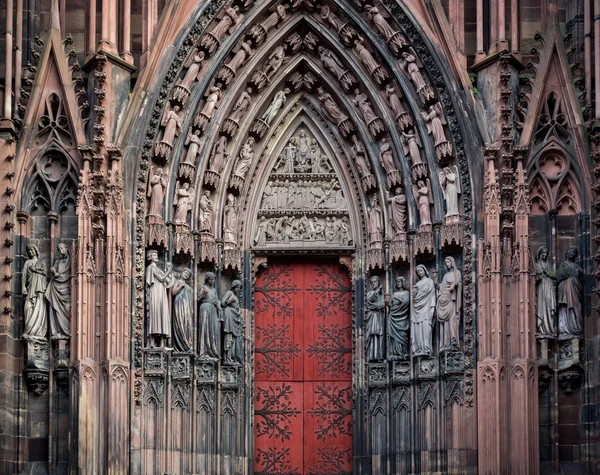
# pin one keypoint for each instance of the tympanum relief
(303, 202)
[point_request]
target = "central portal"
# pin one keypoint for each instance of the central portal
(303, 369)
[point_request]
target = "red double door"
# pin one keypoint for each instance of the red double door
(303, 369)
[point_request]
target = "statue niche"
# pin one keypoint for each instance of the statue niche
(303, 203)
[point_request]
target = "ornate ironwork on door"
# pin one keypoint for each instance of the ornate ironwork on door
(303, 369)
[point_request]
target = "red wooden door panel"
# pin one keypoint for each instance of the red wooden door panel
(303, 370)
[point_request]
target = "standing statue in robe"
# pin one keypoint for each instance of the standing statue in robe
(450, 183)
(193, 72)
(206, 212)
(375, 223)
(398, 211)
(398, 322)
(33, 289)
(183, 313)
(194, 141)
(230, 223)
(435, 121)
(424, 198)
(545, 293)
(449, 306)
(219, 155)
(333, 111)
(156, 192)
(183, 201)
(58, 295)
(209, 319)
(241, 106)
(275, 106)
(422, 312)
(570, 297)
(172, 124)
(157, 302)
(245, 159)
(374, 321)
(233, 324)
(240, 57)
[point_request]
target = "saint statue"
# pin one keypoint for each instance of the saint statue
(233, 324)
(156, 193)
(398, 322)
(449, 305)
(33, 289)
(570, 295)
(240, 57)
(58, 295)
(157, 302)
(333, 110)
(230, 223)
(184, 199)
(545, 294)
(193, 72)
(375, 223)
(374, 320)
(275, 106)
(183, 313)
(435, 123)
(209, 319)
(245, 159)
(398, 211)
(422, 312)
(206, 212)
(194, 141)
(172, 124)
(411, 66)
(423, 197)
(219, 155)
(450, 183)
(241, 106)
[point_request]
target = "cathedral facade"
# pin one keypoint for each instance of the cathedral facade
(291, 237)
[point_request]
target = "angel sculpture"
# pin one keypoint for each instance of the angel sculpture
(194, 65)
(184, 199)
(424, 198)
(194, 142)
(211, 101)
(435, 123)
(275, 61)
(450, 183)
(172, 124)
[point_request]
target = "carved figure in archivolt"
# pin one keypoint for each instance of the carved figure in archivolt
(398, 210)
(230, 223)
(411, 147)
(183, 201)
(360, 157)
(545, 293)
(227, 23)
(233, 324)
(449, 305)
(336, 67)
(394, 38)
(183, 313)
(411, 65)
(374, 321)
(240, 57)
(194, 141)
(210, 105)
(275, 61)
(570, 297)
(33, 290)
(157, 302)
(241, 106)
(403, 119)
(335, 113)
(422, 312)
(424, 198)
(194, 66)
(58, 294)
(375, 223)
(374, 68)
(364, 106)
(259, 31)
(450, 183)
(386, 157)
(206, 212)
(209, 319)
(275, 106)
(172, 124)
(219, 155)
(435, 121)
(398, 322)
(156, 192)
(245, 159)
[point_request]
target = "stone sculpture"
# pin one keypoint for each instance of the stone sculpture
(570, 297)
(33, 289)
(373, 67)
(398, 322)
(398, 211)
(545, 293)
(241, 106)
(157, 302)
(449, 306)
(194, 142)
(206, 212)
(274, 62)
(193, 73)
(450, 183)
(211, 40)
(230, 223)
(411, 147)
(240, 57)
(375, 224)
(411, 66)
(172, 124)
(209, 320)
(386, 157)
(336, 67)
(424, 198)
(156, 192)
(335, 113)
(233, 324)
(435, 121)
(374, 321)
(58, 295)
(183, 201)
(245, 159)
(183, 313)
(275, 106)
(422, 312)
(219, 155)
